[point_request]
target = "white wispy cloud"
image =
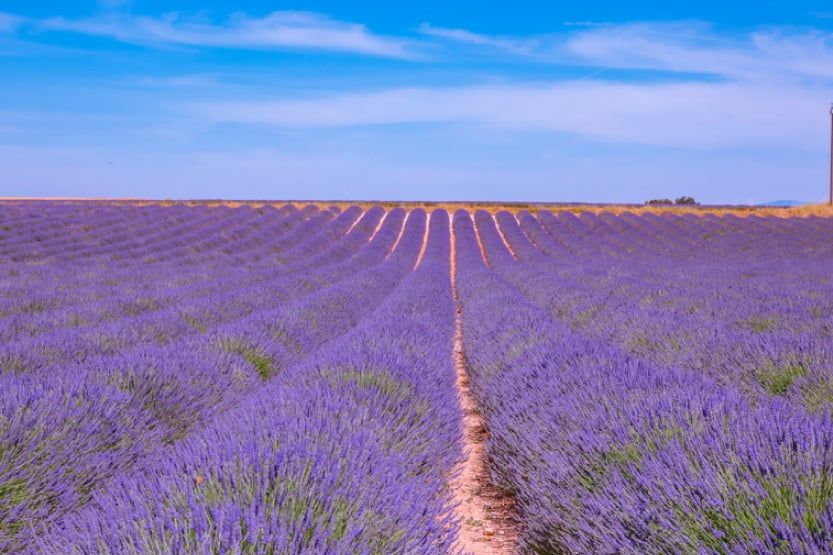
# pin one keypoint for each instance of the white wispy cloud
(183, 81)
(115, 4)
(695, 47)
(9, 22)
(693, 114)
(511, 45)
(680, 47)
(281, 29)
(773, 87)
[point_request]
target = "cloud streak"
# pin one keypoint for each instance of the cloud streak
(677, 47)
(512, 46)
(686, 47)
(694, 47)
(278, 30)
(9, 22)
(689, 115)
(764, 89)
(115, 4)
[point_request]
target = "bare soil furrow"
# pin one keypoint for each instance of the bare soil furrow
(488, 521)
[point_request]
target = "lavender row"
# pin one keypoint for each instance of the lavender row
(609, 454)
(763, 323)
(53, 285)
(156, 395)
(116, 229)
(90, 281)
(156, 314)
(347, 453)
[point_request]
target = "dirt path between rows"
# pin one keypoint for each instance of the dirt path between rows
(399, 235)
(503, 238)
(424, 241)
(488, 523)
(378, 226)
(354, 224)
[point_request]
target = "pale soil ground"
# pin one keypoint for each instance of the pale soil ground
(399, 236)
(378, 226)
(424, 241)
(488, 521)
(739, 210)
(483, 254)
(503, 238)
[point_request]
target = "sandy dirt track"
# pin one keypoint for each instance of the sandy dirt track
(488, 522)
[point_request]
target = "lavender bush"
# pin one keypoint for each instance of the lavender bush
(259, 379)
(607, 452)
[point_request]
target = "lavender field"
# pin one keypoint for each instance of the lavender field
(281, 379)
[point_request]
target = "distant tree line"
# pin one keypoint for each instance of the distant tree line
(667, 201)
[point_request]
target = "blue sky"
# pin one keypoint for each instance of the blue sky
(523, 100)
